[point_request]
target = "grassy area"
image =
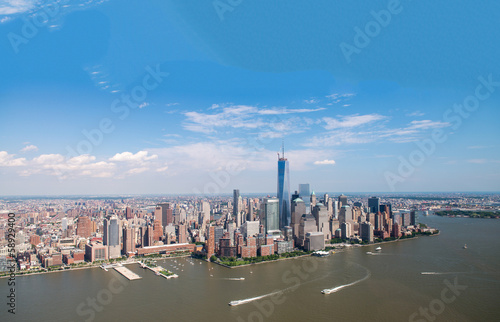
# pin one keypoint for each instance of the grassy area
(166, 273)
(468, 213)
(232, 261)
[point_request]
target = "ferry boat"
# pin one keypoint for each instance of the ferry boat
(321, 253)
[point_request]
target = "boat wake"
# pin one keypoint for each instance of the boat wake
(244, 301)
(338, 288)
(441, 273)
(234, 278)
(376, 254)
(239, 302)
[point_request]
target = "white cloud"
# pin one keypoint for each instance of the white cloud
(137, 170)
(143, 105)
(351, 121)
(241, 117)
(10, 7)
(311, 101)
(8, 160)
(139, 157)
(5, 19)
(282, 111)
(224, 160)
(30, 147)
(49, 159)
(162, 169)
(427, 124)
(340, 138)
(337, 97)
(324, 162)
(58, 165)
(416, 113)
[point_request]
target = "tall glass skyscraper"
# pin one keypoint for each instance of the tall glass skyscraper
(284, 191)
(236, 196)
(271, 214)
(373, 204)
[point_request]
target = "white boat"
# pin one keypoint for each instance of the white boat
(378, 248)
(232, 303)
(465, 246)
(321, 253)
(326, 291)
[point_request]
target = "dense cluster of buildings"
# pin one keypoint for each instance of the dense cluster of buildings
(56, 232)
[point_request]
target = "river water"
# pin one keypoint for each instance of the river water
(424, 279)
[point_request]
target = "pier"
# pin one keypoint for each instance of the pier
(127, 273)
(157, 271)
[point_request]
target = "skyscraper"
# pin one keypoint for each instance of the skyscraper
(128, 240)
(342, 200)
(166, 214)
(236, 210)
(284, 191)
(83, 228)
(128, 213)
(271, 214)
(374, 204)
(111, 236)
(304, 194)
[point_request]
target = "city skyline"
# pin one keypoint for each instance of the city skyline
(173, 113)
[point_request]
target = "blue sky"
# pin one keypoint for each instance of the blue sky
(198, 96)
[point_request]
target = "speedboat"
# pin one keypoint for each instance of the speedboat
(378, 248)
(465, 246)
(326, 291)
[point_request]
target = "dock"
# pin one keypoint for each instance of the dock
(127, 273)
(157, 271)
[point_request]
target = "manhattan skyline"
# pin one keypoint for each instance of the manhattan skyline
(91, 106)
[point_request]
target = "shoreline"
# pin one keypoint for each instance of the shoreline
(89, 267)
(341, 246)
(263, 262)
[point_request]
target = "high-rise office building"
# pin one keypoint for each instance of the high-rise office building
(64, 223)
(182, 234)
(128, 240)
(366, 232)
(298, 209)
(284, 196)
(313, 199)
(271, 214)
(374, 204)
(158, 214)
(304, 194)
(236, 197)
(128, 213)
(342, 201)
(84, 228)
(320, 213)
(111, 237)
(211, 242)
(166, 214)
